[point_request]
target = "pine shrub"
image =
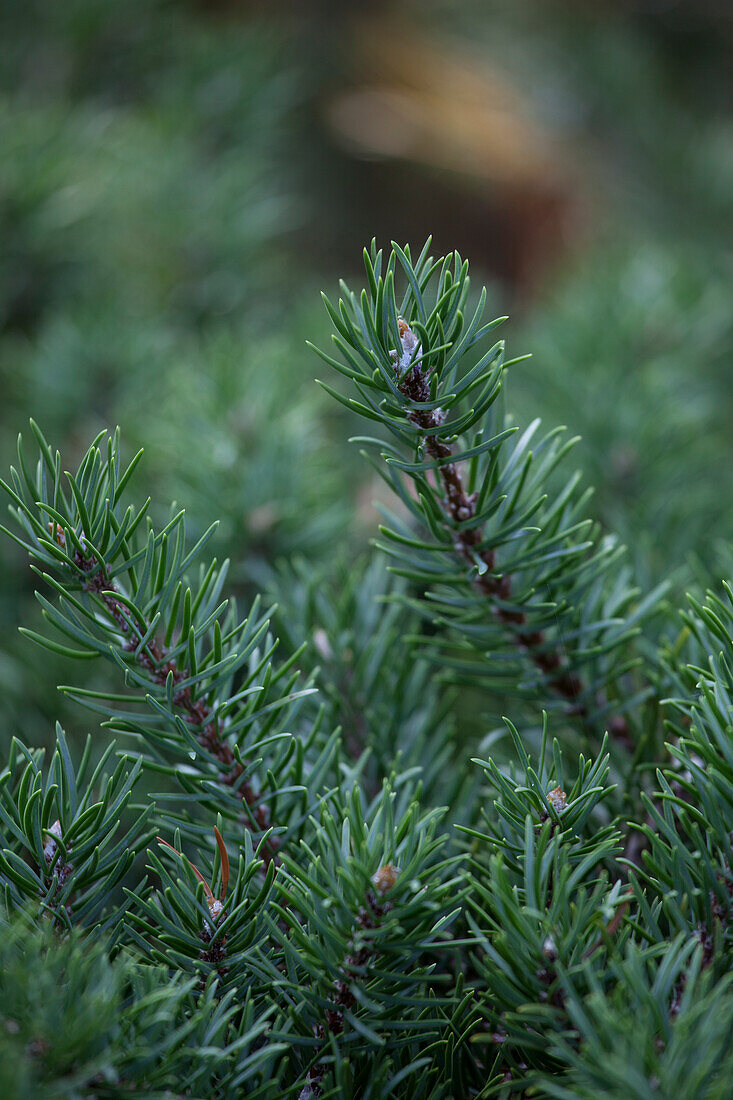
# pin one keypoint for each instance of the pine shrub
(286, 869)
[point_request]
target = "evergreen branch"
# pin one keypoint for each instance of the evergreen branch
(363, 913)
(503, 533)
(544, 916)
(190, 927)
(462, 509)
(687, 832)
(63, 845)
(207, 691)
(152, 656)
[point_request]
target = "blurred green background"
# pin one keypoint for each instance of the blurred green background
(179, 179)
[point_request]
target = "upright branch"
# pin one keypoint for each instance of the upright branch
(360, 954)
(461, 507)
(362, 921)
(527, 595)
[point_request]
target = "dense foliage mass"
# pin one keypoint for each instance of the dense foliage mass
(275, 869)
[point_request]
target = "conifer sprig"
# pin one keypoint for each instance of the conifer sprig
(205, 692)
(68, 842)
(688, 831)
(505, 568)
(360, 934)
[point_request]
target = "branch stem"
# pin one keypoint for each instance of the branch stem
(155, 659)
(461, 506)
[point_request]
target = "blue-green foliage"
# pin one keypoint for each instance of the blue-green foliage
(70, 842)
(524, 593)
(290, 879)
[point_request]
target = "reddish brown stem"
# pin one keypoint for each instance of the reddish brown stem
(154, 658)
(461, 506)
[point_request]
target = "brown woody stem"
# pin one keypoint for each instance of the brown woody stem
(154, 658)
(461, 506)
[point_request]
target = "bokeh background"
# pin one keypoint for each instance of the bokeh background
(178, 179)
